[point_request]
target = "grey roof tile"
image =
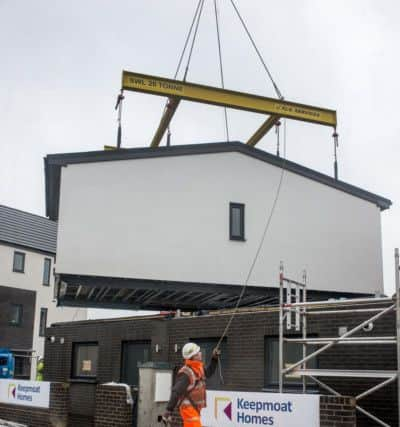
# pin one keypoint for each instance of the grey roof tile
(29, 230)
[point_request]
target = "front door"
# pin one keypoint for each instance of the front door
(133, 352)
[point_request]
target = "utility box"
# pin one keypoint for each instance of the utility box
(7, 363)
(155, 381)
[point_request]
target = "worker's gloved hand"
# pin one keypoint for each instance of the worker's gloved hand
(216, 353)
(167, 416)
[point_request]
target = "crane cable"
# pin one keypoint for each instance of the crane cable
(267, 225)
(278, 92)
(220, 65)
(195, 23)
(278, 190)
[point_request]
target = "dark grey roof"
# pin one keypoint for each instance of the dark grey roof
(27, 230)
(53, 163)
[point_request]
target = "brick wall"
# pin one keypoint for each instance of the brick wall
(55, 416)
(245, 362)
(18, 337)
(112, 409)
(337, 411)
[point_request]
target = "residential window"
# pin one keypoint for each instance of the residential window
(84, 361)
(22, 367)
(293, 352)
(236, 221)
(46, 271)
(207, 345)
(15, 315)
(19, 262)
(43, 322)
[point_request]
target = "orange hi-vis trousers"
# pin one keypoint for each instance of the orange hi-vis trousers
(190, 416)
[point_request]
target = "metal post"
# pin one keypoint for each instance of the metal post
(118, 106)
(397, 281)
(334, 341)
(297, 310)
(304, 318)
(281, 327)
(288, 301)
(335, 146)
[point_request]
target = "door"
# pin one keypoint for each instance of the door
(133, 352)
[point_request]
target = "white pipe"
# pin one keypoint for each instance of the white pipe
(342, 302)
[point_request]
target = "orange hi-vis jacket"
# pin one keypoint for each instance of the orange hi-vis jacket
(196, 390)
(189, 391)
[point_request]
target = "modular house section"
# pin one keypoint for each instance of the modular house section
(196, 214)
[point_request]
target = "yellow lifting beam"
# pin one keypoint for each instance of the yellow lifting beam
(176, 90)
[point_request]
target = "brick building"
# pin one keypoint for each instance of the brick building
(27, 304)
(112, 348)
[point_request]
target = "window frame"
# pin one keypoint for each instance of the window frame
(291, 384)
(241, 207)
(46, 279)
(26, 367)
(75, 347)
(42, 328)
(22, 270)
(18, 324)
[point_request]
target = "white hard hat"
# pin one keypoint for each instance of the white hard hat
(189, 350)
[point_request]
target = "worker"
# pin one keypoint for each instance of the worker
(189, 390)
(40, 370)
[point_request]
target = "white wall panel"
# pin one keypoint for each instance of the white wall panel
(168, 218)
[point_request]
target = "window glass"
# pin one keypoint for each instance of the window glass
(236, 219)
(43, 322)
(3, 361)
(85, 360)
(15, 314)
(207, 345)
(293, 352)
(22, 367)
(46, 271)
(19, 262)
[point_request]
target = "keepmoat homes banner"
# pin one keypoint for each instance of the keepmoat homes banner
(231, 409)
(26, 393)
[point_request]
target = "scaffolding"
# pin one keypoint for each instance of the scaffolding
(294, 309)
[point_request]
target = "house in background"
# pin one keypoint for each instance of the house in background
(178, 227)
(27, 304)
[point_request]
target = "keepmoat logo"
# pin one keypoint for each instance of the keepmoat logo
(22, 392)
(227, 407)
(12, 389)
(250, 412)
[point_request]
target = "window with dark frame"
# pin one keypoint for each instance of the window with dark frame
(236, 221)
(15, 315)
(84, 360)
(22, 367)
(46, 271)
(19, 262)
(207, 345)
(43, 322)
(293, 353)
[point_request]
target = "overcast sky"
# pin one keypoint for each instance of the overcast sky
(61, 66)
